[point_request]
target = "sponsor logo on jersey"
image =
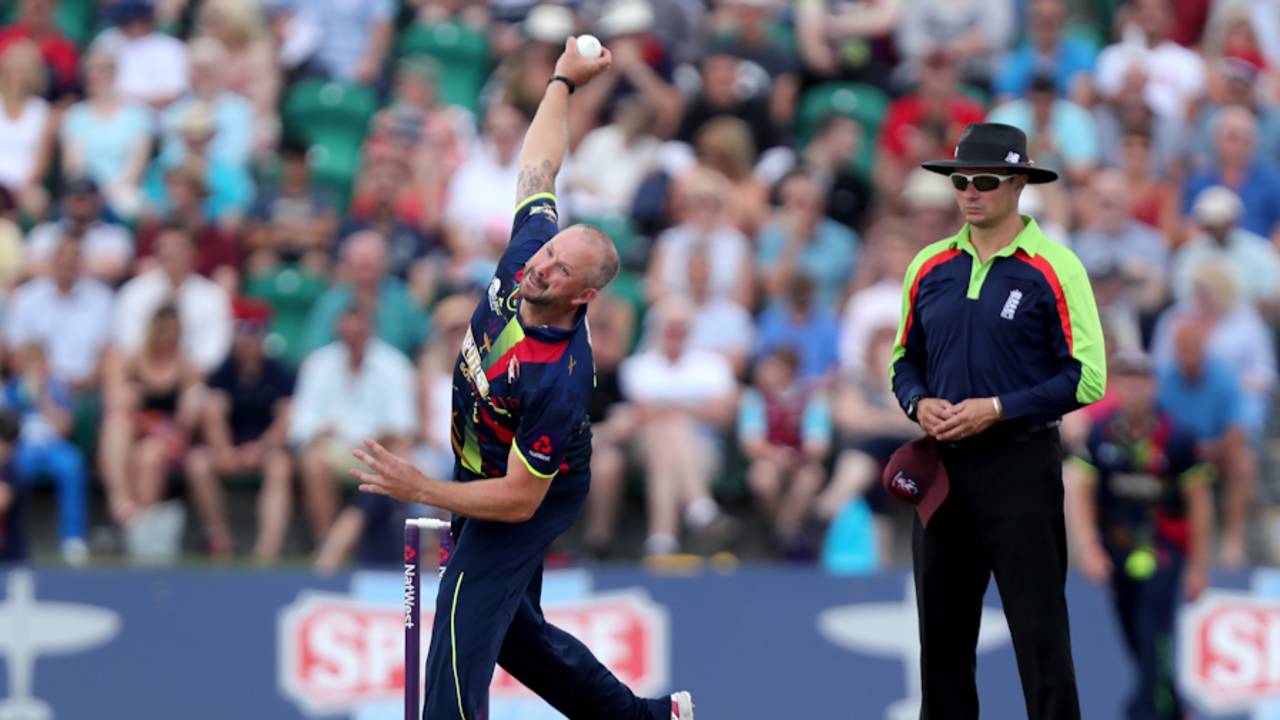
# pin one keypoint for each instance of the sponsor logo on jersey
(474, 369)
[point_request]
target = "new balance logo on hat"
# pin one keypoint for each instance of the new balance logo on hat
(1011, 304)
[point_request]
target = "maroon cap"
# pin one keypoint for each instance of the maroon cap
(915, 474)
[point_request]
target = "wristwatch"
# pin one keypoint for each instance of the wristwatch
(913, 405)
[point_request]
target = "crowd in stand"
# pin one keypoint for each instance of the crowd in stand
(239, 236)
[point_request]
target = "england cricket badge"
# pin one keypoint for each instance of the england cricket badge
(513, 369)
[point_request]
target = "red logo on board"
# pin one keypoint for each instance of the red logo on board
(1228, 650)
(339, 653)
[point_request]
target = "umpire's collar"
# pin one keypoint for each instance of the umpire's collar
(1028, 240)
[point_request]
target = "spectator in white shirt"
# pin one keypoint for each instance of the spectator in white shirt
(627, 147)
(1175, 76)
(683, 399)
(1254, 262)
(26, 125)
(703, 198)
(718, 324)
(68, 314)
(152, 66)
(479, 191)
(106, 248)
(891, 249)
(202, 304)
(478, 219)
(354, 388)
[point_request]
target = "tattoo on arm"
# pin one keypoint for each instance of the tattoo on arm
(535, 178)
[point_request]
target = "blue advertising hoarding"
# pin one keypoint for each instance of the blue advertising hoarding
(754, 643)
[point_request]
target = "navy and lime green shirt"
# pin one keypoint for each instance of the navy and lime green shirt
(518, 386)
(1021, 326)
(1139, 479)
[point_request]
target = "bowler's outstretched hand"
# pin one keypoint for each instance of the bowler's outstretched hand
(392, 475)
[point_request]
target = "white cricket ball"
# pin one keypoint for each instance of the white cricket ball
(589, 46)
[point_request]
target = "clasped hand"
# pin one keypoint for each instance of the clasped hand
(947, 422)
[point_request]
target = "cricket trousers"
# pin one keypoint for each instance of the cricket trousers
(488, 612)
(1147, 610)
(1003, 516)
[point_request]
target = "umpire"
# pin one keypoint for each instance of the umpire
(999, 337)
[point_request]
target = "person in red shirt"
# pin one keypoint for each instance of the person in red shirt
(217, 249)
(36, 23)
(916, 126)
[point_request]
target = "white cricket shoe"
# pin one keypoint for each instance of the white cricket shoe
(681, 705)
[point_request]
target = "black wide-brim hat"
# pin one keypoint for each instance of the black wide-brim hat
(993, 146)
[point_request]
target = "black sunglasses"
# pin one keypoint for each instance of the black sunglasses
(984, 182)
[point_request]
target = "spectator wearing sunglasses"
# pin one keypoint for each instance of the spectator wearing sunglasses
(998, 339)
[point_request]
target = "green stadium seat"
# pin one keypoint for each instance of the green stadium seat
(332, 118)
(334, 164)
(866, 104)
(976, 93)
(462, 49)
(77, 19)
(1085, 31)
(629, 286)
(291, 292)
(317, 109)
(783, 35)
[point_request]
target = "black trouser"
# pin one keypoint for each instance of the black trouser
(1003, 516)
